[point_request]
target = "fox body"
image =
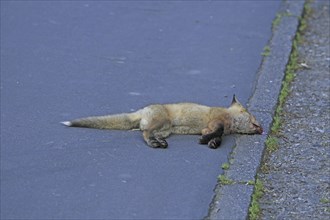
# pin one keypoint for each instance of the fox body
(157, 122)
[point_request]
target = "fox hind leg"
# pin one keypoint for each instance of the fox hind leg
(155, 129)
(155, 136)
(155, 142)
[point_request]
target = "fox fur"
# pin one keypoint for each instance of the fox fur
(157, 122)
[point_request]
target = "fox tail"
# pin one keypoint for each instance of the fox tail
(114, 122)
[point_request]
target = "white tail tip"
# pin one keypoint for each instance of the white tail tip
(66, 123)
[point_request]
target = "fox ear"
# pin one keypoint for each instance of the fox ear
(235, 101)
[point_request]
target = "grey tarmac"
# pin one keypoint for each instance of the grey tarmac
(62, 60)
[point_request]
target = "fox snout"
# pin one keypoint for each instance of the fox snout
(258, 129)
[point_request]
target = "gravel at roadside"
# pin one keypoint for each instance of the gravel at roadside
(297, 185)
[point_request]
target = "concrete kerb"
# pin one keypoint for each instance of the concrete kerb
(233, 201)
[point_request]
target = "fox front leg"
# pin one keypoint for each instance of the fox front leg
(212, 136)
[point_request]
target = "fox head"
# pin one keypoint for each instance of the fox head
(243, 121)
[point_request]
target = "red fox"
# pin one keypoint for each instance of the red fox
(157, 122)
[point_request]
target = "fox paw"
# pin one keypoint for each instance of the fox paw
(204, 140)
(214, 143)
(157, 143)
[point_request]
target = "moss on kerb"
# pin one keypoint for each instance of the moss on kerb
(225, 166)
(278, 18)
(266, 51)
(291, 68)
(250, 182)
(325, 201)
(224, 180)
(272, 144)
(254, 210)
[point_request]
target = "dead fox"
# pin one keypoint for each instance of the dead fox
(157, 122)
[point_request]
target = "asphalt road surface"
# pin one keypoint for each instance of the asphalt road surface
(66, 59)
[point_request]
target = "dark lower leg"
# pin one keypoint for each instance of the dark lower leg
(155, 142)
(215, 142)
(212, 139)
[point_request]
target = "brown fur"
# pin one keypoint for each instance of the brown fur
(157, 122)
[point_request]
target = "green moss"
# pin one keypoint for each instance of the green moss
(279, 17)
(225, 166)
(277, 20)
(266, 51)
(224, 180)
(250, 182)
(325, 201)
(289, 77)
(271, 144)
(299, 38)
(276, 124)
(254, 210)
